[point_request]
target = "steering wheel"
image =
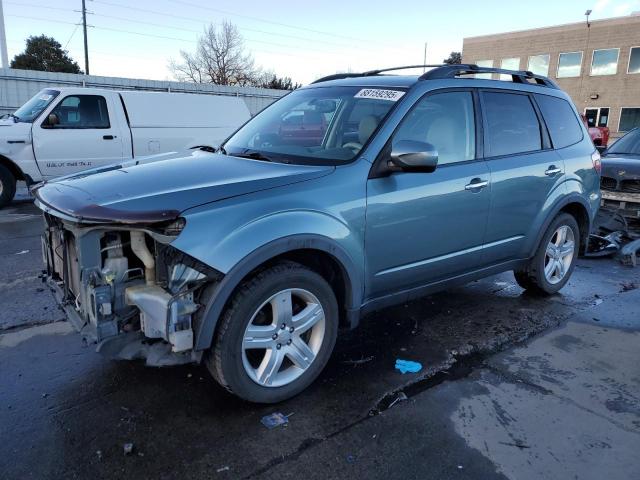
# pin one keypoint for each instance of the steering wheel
(355, 146)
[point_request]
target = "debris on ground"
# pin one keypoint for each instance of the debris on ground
(408, 366)
(351, 459)
(627, 287)
(401, 397)
(223, 469)
(629, 253)
(604, 246)
(22, 252)
(99, 454)
(358, 362)
(275, 420)
(128, 448)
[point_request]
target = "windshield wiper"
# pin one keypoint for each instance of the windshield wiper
(253, 154)
(15, 117)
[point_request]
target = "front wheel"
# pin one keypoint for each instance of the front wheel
(549, 270)
(277, 334)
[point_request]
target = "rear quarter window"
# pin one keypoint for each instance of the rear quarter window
(562, 122)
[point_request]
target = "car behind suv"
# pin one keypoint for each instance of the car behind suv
(252, 258)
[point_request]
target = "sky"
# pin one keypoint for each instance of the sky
(301, 39)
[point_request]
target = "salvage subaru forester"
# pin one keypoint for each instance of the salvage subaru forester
(252, 258)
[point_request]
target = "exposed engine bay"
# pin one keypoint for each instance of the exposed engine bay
(127, 288)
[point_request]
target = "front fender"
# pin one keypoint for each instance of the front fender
(254, 243)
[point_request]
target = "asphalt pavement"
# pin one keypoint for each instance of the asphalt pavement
(512, 386)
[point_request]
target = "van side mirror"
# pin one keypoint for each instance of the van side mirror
(52, 121)
(414, 156)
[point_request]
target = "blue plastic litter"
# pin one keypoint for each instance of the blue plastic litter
(407, 366)
(274, 420)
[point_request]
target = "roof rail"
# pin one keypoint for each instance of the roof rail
(517, 76)
(371, 73)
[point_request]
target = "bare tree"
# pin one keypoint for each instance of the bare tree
(220, 58)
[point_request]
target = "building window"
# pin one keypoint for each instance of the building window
(605, 62)
(597, 117)
(539, 64)
(509, 64)
(634, 60)
(484, 63)
(569, 64)
(629, 119)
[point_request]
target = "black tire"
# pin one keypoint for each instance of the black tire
(532, 278)
(7, 186)
(225, 358)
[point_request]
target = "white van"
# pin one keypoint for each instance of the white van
(66, 130)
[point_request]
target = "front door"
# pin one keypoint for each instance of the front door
(424, 227)
(84, 137)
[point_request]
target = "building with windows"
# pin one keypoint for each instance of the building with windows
(598, 64)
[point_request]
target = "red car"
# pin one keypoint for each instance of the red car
(599, 135)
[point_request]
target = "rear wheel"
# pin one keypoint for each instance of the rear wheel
(277, 334)
(7, 186)
(551, 267)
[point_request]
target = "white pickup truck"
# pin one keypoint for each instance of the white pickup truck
(66, 130)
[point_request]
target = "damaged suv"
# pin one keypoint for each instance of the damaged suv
(252, 259)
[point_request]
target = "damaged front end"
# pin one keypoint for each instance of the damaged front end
(125, 287)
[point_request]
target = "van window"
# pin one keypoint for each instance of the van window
(82, 111)
(511, 124)
(564, 126)
(445, 120)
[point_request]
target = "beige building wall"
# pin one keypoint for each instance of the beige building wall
(587, 91)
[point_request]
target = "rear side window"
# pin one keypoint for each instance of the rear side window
(564, 126)
(511, 124)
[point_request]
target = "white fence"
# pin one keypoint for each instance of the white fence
(18, 86)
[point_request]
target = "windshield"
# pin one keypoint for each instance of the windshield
(629, 144)
(34, 107)
(320, 126)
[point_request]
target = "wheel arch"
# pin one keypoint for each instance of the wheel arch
(318, 253)
(576, 206)
(13, 168)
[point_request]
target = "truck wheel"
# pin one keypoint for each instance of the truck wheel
(276, 335)
(7, 186)
(549, 270)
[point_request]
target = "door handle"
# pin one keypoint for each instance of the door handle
(108, 137)
(476, 184)
(552, 170)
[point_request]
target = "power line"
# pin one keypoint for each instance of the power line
(297, 27)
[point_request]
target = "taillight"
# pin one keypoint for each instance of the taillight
(597, 164)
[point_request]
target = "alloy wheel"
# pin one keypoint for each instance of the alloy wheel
(559, 254)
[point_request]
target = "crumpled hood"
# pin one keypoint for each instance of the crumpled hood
(159, 191)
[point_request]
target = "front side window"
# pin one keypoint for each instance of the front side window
(511, 124)
(629, 119)
(34, 107)
(605, 62)
(539, 64)
(321, 125)
(81, 112)
(509, 64)
(564, 126)
(569, 64)
(634, 60)
(445, 120)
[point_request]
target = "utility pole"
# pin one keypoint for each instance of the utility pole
(84, 27)
(424, 58)
(3, 40)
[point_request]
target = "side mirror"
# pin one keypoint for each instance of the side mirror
(414, 156)
(52, 121)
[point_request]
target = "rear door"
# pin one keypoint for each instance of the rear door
(525, 170)
(86, 136)
(424, 227)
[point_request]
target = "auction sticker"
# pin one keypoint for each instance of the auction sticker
(379, 94)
